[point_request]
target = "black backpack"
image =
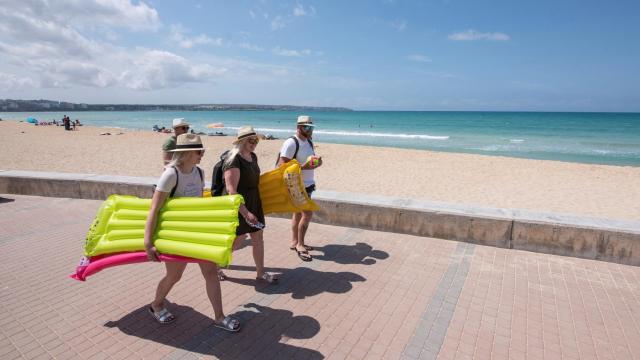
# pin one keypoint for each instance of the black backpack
(217, 178)
(295, 153)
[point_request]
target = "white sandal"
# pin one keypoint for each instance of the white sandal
(229, 323)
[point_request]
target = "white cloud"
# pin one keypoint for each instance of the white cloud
(13, 82)
(278, 23)
(248, 46)
(399, 25)
(287, 52)
(419, 58)
(156, 69)
(298, 10)
(471, 35)
(87, 13)
(178, 35)
(38, 38)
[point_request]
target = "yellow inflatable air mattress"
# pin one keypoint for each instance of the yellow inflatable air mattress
(282, 190)
(201, 228)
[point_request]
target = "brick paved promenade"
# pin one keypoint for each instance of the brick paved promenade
(367, 295)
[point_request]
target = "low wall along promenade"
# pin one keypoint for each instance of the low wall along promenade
(590, 238)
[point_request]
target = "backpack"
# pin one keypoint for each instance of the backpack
(295, 153)
(173, 191)
(217, 178)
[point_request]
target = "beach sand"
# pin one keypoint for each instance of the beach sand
(536, 185)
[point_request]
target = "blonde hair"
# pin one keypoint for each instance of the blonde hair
(178, 158)
(232, 153)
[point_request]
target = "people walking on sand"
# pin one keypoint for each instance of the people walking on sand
(67, 122)
(182, 177)
(300, 147)
(242, 176)
(180, 126)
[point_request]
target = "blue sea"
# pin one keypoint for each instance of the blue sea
(600, 138)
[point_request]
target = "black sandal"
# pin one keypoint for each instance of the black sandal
(304, 258)
(222, 276)
(306, 247)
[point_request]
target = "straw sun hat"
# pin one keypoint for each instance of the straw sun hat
(305, 120)
(179, 122)
(188, 142)
(245, 132)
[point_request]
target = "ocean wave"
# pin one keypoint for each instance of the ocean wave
(516, 140)
(354, 134)
(386, 135)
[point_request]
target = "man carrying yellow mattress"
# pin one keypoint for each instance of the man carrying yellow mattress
(300, 147)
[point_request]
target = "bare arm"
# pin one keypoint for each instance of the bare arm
(231, 179)
(283, 160)
(157, 202)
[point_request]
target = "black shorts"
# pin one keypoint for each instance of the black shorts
(310, 189)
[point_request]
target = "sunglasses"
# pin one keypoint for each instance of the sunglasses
(185, 128)
(201, 152)
(307, 128)
(253, 141)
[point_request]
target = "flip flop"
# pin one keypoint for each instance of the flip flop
(222, 276)
(306, 247)
(304, 258)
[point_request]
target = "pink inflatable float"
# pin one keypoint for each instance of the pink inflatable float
(94, 264)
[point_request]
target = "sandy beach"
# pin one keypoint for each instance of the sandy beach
(537, 185)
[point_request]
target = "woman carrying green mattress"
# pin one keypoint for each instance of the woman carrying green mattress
(182, 178)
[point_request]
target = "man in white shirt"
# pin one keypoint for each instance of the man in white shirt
(300, 147)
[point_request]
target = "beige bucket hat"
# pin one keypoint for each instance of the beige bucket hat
(188, 142)
(245, 132)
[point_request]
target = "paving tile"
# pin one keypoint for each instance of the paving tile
(366, 295)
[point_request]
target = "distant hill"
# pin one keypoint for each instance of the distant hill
(49, 105)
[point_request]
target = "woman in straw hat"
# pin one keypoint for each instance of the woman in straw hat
(242, 176)
(182, 178)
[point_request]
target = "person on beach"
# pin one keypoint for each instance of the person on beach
(300, 147)
(67, 122)
(182, 178)
(180, 126)
(242, 176)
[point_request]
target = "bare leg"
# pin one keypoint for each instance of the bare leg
(173, 275)
(303, 225)
(257, 245)
(295, 222)
(210, 274)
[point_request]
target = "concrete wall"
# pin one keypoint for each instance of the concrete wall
(590, 238)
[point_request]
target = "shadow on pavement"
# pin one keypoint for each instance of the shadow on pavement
(360, 253)
(301, 282)
(263, 334)
(6, 200)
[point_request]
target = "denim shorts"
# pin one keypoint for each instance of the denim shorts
(310, 189)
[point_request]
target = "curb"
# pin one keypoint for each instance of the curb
(559, 234)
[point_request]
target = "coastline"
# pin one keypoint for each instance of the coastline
(538, 185)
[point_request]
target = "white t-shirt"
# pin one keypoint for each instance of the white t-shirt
(188, 185)
(305, 150)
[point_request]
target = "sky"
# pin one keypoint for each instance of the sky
(560, 55)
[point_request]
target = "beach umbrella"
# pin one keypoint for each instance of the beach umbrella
(215, 125)
(32, 120)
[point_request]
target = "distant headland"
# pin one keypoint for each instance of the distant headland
(50, 105)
